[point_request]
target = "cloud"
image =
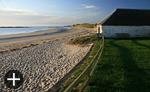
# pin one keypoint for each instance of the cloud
(23, 17)
(88, 6)
(27, 17)
(30, 17)
(7, 11)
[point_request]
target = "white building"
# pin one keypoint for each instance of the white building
(126, 23)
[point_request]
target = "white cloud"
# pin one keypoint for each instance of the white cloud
(29, 17)
(23, 17)
(88, 6)
(7, 11)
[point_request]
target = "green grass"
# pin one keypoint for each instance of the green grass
(124, 67)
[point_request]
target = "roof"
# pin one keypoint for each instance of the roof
(129, 17)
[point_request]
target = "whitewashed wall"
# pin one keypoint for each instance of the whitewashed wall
(99, 29)
(133, 31)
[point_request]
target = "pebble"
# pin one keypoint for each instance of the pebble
(42, 65)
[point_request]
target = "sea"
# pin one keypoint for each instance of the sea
(18, 30)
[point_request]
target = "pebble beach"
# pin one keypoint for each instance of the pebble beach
(42, 65)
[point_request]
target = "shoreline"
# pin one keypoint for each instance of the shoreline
(4, 38)
(42, 37)
(5, 31)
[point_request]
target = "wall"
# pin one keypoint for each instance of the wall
(99, 28)
(133, 31)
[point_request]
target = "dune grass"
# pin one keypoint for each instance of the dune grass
(83, 40)
(124, 67)
(85, 25)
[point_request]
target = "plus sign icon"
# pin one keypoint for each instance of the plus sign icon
(13, 79)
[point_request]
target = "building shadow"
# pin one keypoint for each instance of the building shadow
(140, 44)
(134, 77)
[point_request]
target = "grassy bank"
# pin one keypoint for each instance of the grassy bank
(87, 60)
(84, 40)
(85, 25)
(124, 67)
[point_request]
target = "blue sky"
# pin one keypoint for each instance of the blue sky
(61, 12)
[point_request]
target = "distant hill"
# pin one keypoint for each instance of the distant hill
(85, 25)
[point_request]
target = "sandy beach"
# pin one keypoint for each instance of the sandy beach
(43, 58)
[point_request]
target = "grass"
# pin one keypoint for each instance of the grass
(83, 40)
(124, 67)
(85, 25)
(84, 64)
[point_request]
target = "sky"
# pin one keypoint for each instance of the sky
(61, 12)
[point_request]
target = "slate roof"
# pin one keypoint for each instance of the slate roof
(129, 17)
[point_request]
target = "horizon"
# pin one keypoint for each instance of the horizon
(61, 12)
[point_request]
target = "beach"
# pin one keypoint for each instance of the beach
(43, 58)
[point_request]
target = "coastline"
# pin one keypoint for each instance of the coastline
(50, 59)
(30, 34)
(26, 39)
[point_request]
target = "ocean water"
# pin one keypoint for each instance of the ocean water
(8, 31)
